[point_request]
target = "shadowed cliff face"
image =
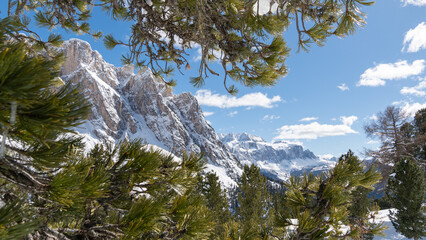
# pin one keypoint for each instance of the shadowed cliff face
(127, 105)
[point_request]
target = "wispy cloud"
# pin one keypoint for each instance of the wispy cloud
(343, 87)
(417, 3)
(207, 98)
(348, 121)
(270, 117)
(316, 130)
(373, 142)
(206, 114)
(418, 90)
(373, 117)
(308, 119)
(378, 75)
(415, 39)
(231, 114)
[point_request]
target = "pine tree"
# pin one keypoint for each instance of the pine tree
(216, 202)
(419, 142)
(254, 204)
(320, 204)
(52, 189)
(37, 112)
(406, 192)
(249, 44)
(361, 207)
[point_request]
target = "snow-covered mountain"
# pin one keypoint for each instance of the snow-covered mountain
(126, 105)
(276, 160)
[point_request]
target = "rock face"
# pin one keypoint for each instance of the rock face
(276, 160)
(126, 105)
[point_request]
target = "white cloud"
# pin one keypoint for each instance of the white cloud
(206, 114)
(378, 75)
(264, 7)
(315, 130)
(207, 98)
(295, 142)
(348, 121)
(415, 39)
(412, 108)
(326, 156)
(343, 87)
(270, 117)
(218, 54)
(231, 114)
(373, 117)
(373, 142)
(418, 90)
(417, 3)
(308, 119)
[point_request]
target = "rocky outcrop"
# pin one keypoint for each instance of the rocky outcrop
(126, 105)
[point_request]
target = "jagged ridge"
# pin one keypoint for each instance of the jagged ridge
(277, 160)
(127, 105)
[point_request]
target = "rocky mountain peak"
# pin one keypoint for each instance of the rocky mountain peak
(126, 105)
(277, 160)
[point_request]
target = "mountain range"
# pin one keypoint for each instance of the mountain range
(129, 105)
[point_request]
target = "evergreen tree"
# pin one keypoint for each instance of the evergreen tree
(254, 204)
(406, 192)
(216, 202)
(361, 207)
(51, 189)
(320, 204)
(37, 112)
(249, 44)
(419, 125)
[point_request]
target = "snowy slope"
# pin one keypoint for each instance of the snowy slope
(126, 105)
(390, 233)
(276, 160)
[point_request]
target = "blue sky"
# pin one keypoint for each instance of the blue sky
(330, 91)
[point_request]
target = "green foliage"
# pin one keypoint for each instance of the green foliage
(217, 202)
(360, 208)
(248, 44)
(320, 204)
(15, 223)
(50, 187)
(419, 125)
(406, 191)
(254, 210)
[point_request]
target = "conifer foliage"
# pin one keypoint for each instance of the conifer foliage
(248, 43)
(319, 205)
(217, 202)
(51, 189)
(254, 210)
(36, 113)
(406, 192)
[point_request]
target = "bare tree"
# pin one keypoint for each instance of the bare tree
(389, 129)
